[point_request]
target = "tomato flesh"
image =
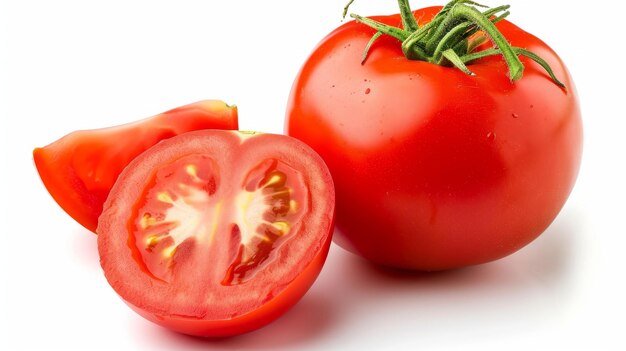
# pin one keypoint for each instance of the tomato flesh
(213, 226)
(79, 169)
(182, 203)
(272, 203)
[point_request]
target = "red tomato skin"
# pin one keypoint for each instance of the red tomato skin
(145, 296)
(79, 169)
(435, 169)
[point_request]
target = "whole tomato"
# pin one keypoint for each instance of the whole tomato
(434, 167)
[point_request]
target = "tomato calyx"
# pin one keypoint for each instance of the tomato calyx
(453, 37)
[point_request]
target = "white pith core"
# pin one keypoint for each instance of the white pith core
(251, 208)
(193, 213)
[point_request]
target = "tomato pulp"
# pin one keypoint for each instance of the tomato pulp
(434, 168)
(79, 169)
(216, 233)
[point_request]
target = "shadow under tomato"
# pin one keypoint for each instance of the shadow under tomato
(547, 261)
(353, 294)
(309, 319)
(531, 287)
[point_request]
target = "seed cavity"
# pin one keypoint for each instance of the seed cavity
(274, 180)
(147, 221)
(169, 251)
(192, 170)
(165, 197)
(293, 206)
(178, 206)
(282, 227)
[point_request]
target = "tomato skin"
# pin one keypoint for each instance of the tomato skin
(435, 169)
(79, 169)
(183, 304)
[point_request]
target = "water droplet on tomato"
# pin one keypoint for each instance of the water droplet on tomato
(491, 136)
(515, 115)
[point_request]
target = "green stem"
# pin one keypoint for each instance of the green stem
(476, 43)
(410, 43)
(493, 11)
(345, 9)
(436, 24)
(469, 47)
(448, 39)
(531, 55)
(516, 68)
(369, 45)
(474, 3)
(441, 30)
(489, 13)
(383, 28)
(452, 56)
(481, 54)
(408, 20)
(500, 17)
(519, 51)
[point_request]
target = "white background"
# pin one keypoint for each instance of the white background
(68, 65)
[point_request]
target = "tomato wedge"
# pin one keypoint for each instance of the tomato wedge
(79, 169)
(217, 233)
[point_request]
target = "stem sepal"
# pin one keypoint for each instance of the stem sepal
(453, 37)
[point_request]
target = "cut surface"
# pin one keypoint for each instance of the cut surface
(187, 201)
(212, 226)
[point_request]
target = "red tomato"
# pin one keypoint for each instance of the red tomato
(434, 168)
(79, 169)
(217, 233)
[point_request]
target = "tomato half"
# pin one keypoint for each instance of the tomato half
(79, 169)
(216, 233)
(434, 168)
